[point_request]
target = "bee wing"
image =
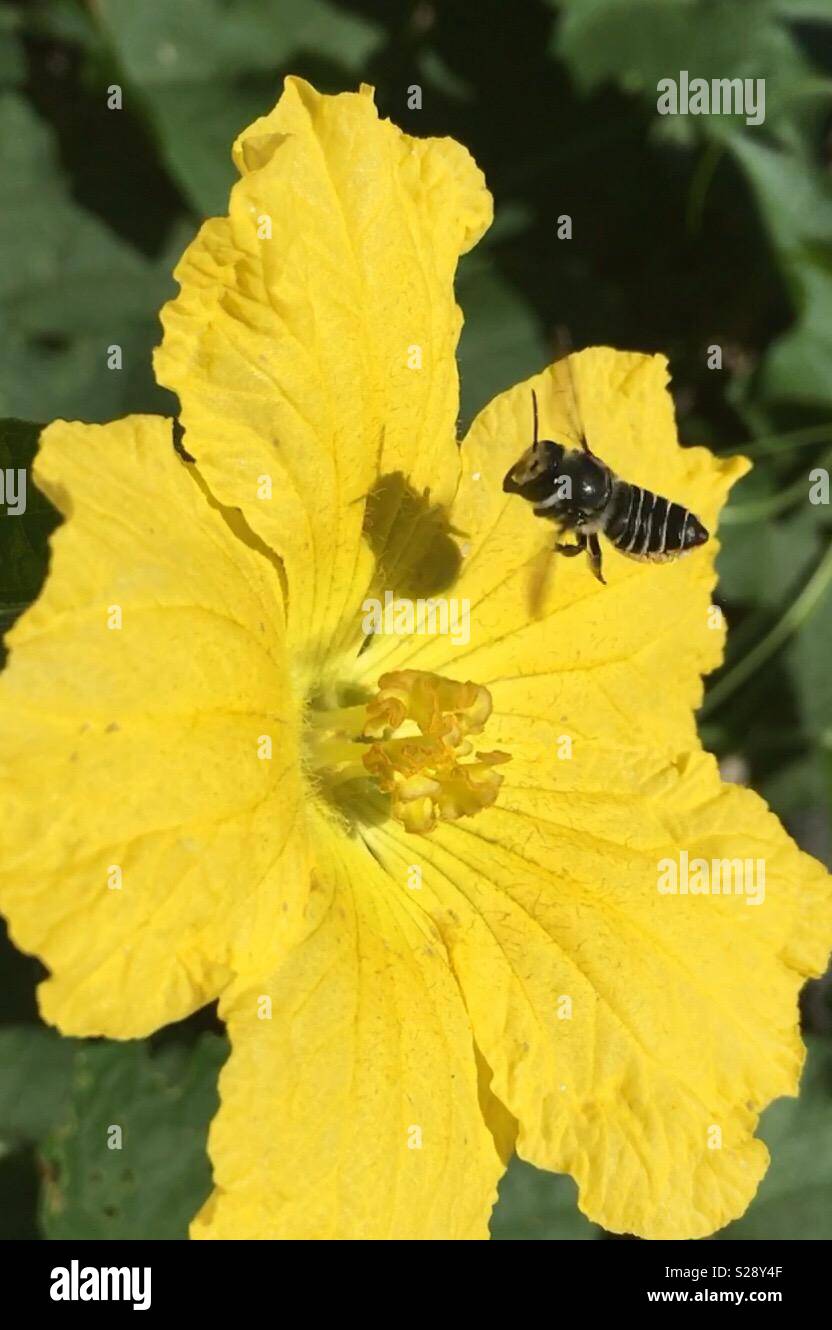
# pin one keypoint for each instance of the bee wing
(563, 352)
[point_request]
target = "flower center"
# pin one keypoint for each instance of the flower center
(413, 740)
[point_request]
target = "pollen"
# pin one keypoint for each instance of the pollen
(423, 757)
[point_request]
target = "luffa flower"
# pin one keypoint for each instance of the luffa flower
(420, 876)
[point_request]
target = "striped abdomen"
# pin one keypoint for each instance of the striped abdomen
(644, 525)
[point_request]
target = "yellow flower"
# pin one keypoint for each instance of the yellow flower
(420, 875)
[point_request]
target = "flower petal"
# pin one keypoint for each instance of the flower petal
(142, 832)
(312, 345)
(683, 1012)
(635, 1035)
(620, 663)
(350, 1104)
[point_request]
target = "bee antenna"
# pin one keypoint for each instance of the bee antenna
(534, 416)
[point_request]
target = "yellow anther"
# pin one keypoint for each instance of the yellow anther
(423, 770)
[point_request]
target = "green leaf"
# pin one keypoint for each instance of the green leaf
(797, 365)
(634, 44)
(19, 1192)
(24, 535)
(637, 42)
(539, 1206)
(176, 41)
(12, 58)
(795, 200)
(803, 9)
(153, 1185)
(35, 1073)
(58, 21)
(54, 252)
(795, 1197)
(197, 124)
(762, 563)
(69, 290)
(205, 69)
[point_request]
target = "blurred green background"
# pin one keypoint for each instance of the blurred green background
(687, 233)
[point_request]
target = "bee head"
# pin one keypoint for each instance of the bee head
(533, 476)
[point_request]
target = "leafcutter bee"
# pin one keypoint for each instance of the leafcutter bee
(575, 489)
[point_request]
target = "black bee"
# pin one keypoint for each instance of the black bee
(579, 492)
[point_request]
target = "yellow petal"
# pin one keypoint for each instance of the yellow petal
(622, 662)
(635, 1035)
(350, 1103)
(145, 840)
(683, 1016)
(312, 345)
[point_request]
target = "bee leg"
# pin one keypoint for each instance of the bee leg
(594, 552)
(571, 550)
